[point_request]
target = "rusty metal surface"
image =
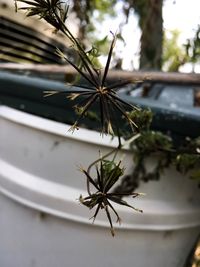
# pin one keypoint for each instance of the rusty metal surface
(189, 78)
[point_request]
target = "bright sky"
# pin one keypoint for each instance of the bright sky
(183, 15)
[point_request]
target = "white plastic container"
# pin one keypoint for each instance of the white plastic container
(42, 224)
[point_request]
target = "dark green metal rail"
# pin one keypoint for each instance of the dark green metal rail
(19, 43)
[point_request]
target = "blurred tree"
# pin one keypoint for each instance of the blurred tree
(155, 48)
(151, 25)
(87, 9)
(150, 22)
(90, 12)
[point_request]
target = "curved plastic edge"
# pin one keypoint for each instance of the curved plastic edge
(62, 201)
(57, 128)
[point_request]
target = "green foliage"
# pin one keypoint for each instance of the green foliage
(150, 144)
(193, 47)
(185, 162)
(103, 7)
(142, 118)
(174, 55)
(99, 47)
(188, 159)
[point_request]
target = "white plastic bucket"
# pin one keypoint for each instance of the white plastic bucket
(42, 224)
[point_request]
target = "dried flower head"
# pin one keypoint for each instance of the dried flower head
(98, 92)
(107, 174)
(53, 11)
(111, 106)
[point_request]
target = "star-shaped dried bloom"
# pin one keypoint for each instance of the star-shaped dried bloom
(107, 174)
